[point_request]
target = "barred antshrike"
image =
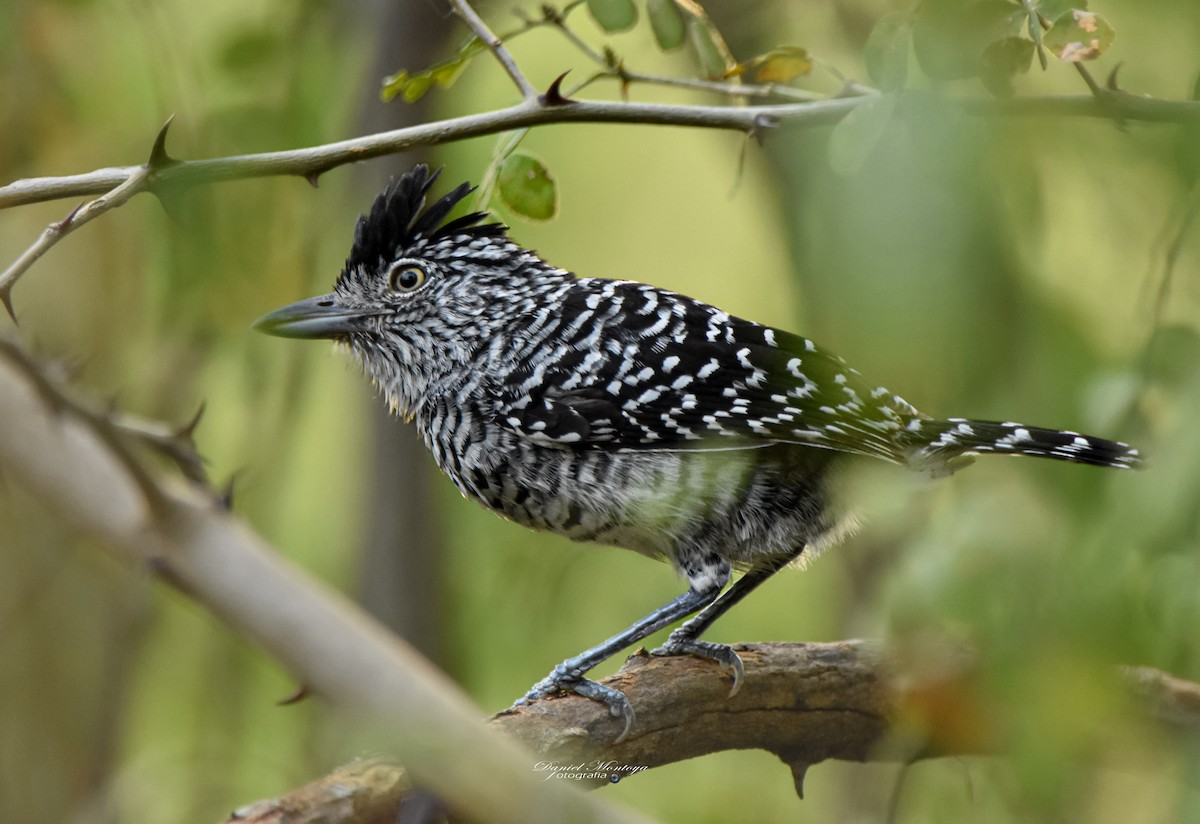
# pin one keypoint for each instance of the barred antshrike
(616, 412)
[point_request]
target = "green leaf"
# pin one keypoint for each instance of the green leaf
(613, 15)
(781, 65)
(526, 187)
(670, 28)
(949, 36)
(1079, 35)
(704, 39)
(412, 87)
(1004, 60)
(711, 50)
(856, 135)
(886, 51)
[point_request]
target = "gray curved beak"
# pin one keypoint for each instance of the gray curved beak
(319, 317)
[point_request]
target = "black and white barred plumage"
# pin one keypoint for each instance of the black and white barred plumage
(617, 412)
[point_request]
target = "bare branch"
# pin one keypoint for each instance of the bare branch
(319, 159)
(69, 460)
(463, 9)
(803, 702)
(316, 160)
(361, 792)
(119, 184)
(768, 90)
(135, 182)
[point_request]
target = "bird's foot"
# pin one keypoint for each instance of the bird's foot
(723, 654)
(563, 679)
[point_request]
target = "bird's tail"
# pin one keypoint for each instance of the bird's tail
(950, 443)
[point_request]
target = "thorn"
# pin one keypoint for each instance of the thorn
(159, 159)
(65, 223)
(188, 429)
(799, 770)
(296, 697)
(554, 95)
(312, 178)
(1111, 83)
(167, 196)
(225, 500)
(6, 299)
(762, 124)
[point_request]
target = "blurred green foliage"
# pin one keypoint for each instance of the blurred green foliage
(999, 268)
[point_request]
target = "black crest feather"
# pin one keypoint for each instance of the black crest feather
(396, 219)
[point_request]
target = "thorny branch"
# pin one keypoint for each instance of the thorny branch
(76, 462)
(119, 184)
(135, 181)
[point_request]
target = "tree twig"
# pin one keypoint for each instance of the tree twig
(1095, 88)
(134, 182)
(495, 45)
(316, 160)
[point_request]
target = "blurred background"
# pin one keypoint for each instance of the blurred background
(1038, 269)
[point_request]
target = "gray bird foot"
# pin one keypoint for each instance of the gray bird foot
(562, 679)
(723, 654)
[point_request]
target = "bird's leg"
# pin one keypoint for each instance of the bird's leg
(684, 641)
(569, 674)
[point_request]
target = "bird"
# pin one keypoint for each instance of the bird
(620, 413)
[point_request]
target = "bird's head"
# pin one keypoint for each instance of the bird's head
(419, 295)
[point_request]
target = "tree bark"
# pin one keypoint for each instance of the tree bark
(806, 703)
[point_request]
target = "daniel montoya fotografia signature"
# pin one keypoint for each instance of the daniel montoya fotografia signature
(611, 771)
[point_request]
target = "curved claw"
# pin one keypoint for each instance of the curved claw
(723, 654)
(561, 679)
(618, 705)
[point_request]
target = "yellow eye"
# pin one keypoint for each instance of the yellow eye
(406, 278)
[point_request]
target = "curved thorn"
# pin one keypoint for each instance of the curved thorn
(159, 159)
(60, 226)
(1111, 83)
(188, 429)
(554, 95)
(6, 299)
(799, 770)
(296, 697)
